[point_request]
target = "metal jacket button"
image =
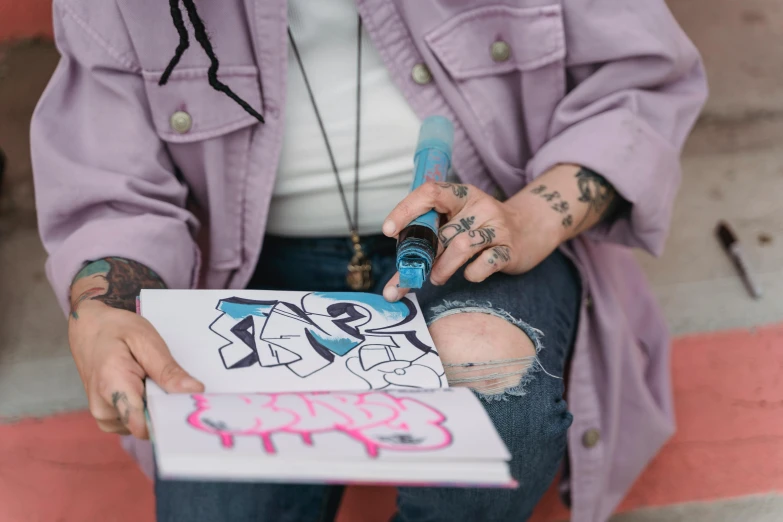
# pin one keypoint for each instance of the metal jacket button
(591, 438)
(500, 51)
(181, 122)
(421, 74)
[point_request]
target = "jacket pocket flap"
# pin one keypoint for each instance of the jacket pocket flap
(207, 112)
(464, 45)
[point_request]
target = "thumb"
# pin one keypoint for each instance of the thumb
(153, 355)
(392, 291)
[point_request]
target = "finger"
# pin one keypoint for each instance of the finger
(121, 389)
(149, 349)
(113, 426)
(490, 261)
(392, 291)
(444, 198)
(463, 247)
(472, 216)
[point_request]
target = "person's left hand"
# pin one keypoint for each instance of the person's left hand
(510, 237)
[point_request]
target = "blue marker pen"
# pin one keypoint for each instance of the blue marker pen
(417, 244)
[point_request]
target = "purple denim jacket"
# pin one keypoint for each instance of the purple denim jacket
(614, 85)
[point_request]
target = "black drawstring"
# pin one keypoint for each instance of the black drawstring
(184, 41)
(203, 39)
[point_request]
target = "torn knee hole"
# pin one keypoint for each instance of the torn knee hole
(493, 356)
(490, 377)
(449, 308)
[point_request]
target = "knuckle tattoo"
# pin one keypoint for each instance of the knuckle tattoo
(482, 236)
(449, 232)
(500, 254)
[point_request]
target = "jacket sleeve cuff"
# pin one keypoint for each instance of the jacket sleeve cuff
(641, 166)
(162, 244)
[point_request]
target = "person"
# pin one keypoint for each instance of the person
(269, 145)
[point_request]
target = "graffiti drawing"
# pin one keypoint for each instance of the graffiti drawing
(377, 420)
(372, 338)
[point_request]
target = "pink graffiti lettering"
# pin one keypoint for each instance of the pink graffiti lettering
(434, 175)
(376, 419)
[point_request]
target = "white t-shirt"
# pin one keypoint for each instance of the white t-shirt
(306, 201)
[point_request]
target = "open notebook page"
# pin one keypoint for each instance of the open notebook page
(423, 437)
(238, 341)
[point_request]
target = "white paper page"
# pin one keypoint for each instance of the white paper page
(323, 429)
(239, 341)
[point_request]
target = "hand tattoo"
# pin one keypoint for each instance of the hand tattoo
(449, 232)
(485, 235)
(460, 191)
(114, 281)
(120, 402)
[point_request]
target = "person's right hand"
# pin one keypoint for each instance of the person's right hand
(114, 350)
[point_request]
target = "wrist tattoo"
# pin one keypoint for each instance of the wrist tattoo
(557, 204)
(449, 232)
(594, 190)
(114, 281)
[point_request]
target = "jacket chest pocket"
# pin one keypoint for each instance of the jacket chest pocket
(208, 136)
(506, 61)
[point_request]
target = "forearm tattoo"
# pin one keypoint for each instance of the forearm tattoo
(594, 190)
(114, 281)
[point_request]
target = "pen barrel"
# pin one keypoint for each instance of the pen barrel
(417, 244)
(432, 160)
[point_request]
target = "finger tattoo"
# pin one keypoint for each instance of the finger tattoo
(502, 253)
(121, 403)
(483, 235)
(449, 232)
(460, 191)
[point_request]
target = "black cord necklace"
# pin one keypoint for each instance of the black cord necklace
(359, 274)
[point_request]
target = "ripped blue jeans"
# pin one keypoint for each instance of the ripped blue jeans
(524, 400)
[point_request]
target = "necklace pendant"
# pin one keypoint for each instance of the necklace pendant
(359, 275)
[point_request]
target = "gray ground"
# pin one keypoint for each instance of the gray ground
(733, 170)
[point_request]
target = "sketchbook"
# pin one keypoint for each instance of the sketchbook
(313, 388)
